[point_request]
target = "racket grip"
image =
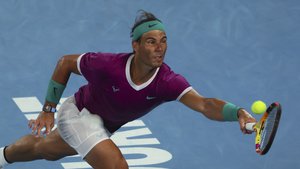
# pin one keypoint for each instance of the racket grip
(250, 126)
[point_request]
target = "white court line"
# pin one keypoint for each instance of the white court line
(128, 139)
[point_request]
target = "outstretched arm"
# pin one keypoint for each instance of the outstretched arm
(212, 108)
(65, 66)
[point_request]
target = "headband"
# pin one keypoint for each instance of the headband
(146, 27)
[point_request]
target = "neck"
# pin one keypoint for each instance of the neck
(140, 73)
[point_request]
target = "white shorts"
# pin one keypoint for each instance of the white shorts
(80, 129)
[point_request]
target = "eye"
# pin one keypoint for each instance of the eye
(164, 40)
(150, 41)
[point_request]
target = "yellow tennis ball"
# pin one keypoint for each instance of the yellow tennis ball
(258, 107)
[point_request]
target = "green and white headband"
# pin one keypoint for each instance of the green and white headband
(146, 27)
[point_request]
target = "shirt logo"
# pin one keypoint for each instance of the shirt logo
(150, 98)
(115, 89)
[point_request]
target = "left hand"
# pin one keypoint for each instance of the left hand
(45, 119)
(245, 117)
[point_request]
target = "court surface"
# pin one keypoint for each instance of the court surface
(236, 50)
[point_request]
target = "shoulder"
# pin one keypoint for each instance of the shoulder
(169, 79)
(105, 56)
(100, 62)
(166, 74)
(100, 59)
(172, 85)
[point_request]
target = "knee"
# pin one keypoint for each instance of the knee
(46, 152)
(121, 163)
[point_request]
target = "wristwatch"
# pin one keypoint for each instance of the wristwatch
(49, 109)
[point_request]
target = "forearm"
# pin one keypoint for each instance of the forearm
(212, 108)
(216, 109)
(57, 83)
(65, 66)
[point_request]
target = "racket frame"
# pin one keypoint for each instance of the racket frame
(259, 127)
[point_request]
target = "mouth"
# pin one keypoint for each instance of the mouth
(159, 56)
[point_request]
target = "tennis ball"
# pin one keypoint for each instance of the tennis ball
(258, 107)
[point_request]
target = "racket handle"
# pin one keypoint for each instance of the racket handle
(250, 126)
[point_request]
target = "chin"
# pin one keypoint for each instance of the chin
(156, 65)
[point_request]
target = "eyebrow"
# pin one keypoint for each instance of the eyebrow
(151, 38)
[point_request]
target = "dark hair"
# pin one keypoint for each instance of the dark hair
(142, 17)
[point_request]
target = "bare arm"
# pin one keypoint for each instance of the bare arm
(65, 66)
(209, 107)
(212, 108)
(62, 72)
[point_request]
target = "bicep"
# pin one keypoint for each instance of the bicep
(65, 66)
(70, 63)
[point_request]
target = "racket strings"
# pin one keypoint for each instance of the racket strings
(267, 129)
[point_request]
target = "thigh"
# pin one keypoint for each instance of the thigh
(106, 155)
(82, 130)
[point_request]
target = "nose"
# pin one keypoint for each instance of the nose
(159, 47)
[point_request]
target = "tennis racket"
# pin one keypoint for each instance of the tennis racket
(266, 128)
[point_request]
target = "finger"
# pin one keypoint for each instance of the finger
(39, 128)
(34, 127)
(245, 129)
(30, 123)
(242, 125)
(249, 132)
(48, 129)
(52, 125)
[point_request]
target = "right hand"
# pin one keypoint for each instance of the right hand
(45, 119)
(244, 118)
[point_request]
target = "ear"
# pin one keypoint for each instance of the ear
(135, 45)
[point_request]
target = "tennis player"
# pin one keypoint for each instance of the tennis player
(121, 87)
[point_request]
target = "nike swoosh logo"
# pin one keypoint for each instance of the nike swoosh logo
(150, 98)
(150, 26)
(115, 89)
(55, 91)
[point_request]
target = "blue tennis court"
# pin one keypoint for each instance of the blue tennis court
(236, 50)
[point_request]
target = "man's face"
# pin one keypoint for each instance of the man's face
(152, 48)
